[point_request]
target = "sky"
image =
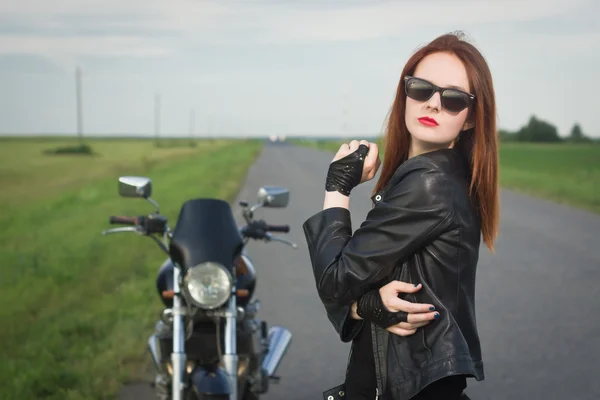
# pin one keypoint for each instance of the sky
(263, 67)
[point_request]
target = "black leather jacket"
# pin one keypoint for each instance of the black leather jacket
(423, 228)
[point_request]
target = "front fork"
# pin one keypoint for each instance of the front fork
(178, 358)
(230, 356)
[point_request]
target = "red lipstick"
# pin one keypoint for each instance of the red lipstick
(427, 121)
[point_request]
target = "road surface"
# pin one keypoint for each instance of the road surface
(538, 306)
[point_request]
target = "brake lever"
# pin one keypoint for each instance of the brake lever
(137, 229)
(271, 237)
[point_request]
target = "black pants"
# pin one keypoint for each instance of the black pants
(361, 380)
(450, 388)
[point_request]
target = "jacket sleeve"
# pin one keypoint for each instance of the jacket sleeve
(341, 319)
(414, 210)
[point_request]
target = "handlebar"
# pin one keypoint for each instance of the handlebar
(278, 228)
(156, 223)
(122, 220)
(153, 223)
(261, 230)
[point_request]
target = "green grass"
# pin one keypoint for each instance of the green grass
(77, 307)
(564, 173)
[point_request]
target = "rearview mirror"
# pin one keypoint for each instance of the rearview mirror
(135, 186)
(273, 196)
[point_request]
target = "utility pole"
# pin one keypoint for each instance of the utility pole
(79, 104)
(157, 118)
(192, 118)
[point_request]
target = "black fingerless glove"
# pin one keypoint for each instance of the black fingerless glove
(345, 173)
(370, 308)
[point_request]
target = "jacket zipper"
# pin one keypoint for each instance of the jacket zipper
(376, 357)
(376, 199)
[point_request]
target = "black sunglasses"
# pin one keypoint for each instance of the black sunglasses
(453, 100)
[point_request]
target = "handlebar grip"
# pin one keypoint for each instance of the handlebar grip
(123, 220)
(278, 228)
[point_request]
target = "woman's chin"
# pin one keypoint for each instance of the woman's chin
(430, 140)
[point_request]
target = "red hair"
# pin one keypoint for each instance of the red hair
(479, 145)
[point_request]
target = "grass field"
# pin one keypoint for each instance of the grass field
(564, 173)
(77, 307)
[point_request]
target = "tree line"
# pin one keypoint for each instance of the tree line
(537, 130)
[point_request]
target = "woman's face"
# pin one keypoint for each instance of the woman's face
(431, 125)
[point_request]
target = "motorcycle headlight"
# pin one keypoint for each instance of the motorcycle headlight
(208, 284)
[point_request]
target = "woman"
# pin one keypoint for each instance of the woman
(436, 197)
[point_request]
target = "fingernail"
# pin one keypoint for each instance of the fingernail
(436, 316)
(431, 308)
(416, 284)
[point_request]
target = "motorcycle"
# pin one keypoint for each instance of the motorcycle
(208, 342)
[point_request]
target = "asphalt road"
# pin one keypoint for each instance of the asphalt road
(538, 311)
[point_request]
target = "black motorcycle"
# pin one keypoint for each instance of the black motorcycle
(208, 343)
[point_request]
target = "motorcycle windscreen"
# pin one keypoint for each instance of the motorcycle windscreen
(205, 231)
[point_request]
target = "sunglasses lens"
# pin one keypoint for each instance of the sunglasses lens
(418, 90)
(454, 101)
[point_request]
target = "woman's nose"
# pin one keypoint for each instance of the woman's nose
(435, 102)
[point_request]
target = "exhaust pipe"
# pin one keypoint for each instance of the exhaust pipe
(279, 341)
(155, 353)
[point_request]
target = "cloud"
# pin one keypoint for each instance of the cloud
(67, 29)
(65, 52)
(381, 20)
(41, 8)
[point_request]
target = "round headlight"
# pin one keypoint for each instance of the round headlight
(208, 284)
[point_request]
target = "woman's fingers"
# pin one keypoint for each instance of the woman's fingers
(371, 162)
(409, 326)
(396, 330)
(403, 287)
(422, 317)
(419, 314)
(415, 321)
(373, 155)
(394, 303)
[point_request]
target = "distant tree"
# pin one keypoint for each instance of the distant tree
(507, 136)
(538, 131)
(577, 134)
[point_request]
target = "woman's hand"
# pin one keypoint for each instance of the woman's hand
(371, 162)
(411, 315)
(417, 314)
(351, 166)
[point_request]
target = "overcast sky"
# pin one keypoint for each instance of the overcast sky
(280, 67)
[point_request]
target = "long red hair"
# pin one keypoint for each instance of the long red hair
(479, 145)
